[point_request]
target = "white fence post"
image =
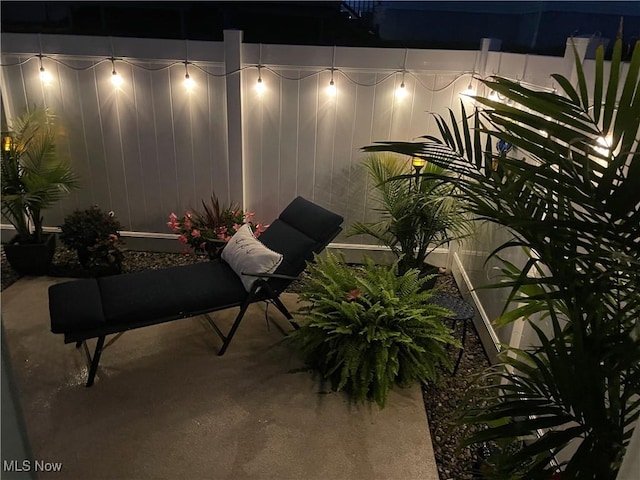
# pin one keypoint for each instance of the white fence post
(233, 64)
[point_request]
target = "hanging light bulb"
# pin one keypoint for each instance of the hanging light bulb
(45, 77)
(116, 79)
(331, 88)
(401, 91)
(188, 81)
(470, 91)
(494, 96)
(260, 86)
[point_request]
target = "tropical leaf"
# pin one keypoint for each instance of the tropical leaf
(417, 216)
(34, 175)
(569, 402)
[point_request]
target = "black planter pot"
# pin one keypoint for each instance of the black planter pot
(105, 270)
(31, 258)
(83, 256)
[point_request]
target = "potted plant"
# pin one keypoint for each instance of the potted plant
(368, 328)
(418, 214)
(573, 206)
(208, 231)
(34, 177)
(95, 236)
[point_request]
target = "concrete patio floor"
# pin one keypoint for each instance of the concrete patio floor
(164, 405)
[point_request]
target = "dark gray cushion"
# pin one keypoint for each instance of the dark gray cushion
(75, 306)
(294, 245)
(314, 221)
(169, 292)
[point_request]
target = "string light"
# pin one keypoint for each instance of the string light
(260, 86)
(331, 89)
(45, 76)
(401, 91)
(171, 64)
(116, 79)
(470, 91)
(189, 84)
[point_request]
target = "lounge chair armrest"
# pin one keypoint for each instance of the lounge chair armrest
(271, 275)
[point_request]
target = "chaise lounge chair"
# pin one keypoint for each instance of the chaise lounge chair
(247, 273)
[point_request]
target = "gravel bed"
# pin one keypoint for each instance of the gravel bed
(440, 399)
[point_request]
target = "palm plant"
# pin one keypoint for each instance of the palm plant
(418, 215)
(574, 205)
(34, 177)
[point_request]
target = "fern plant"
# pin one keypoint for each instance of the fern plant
(368, 328)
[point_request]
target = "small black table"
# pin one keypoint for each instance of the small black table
(461, 311)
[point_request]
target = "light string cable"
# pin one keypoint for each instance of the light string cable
(346, 75)
(171, 63)
(259, 63)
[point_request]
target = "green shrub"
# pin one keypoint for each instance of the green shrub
(84, 228)
(368, 328)
(95, 235)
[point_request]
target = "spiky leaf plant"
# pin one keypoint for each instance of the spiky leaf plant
(418, 214)
(572, 200)
(34, 176)
(368, 328)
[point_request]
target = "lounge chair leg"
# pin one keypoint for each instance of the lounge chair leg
(280, 306)
(94, 361)
(234, 327)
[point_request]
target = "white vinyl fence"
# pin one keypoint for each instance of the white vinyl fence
(151, 147)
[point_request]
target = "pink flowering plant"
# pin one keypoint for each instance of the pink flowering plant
(209, 230)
